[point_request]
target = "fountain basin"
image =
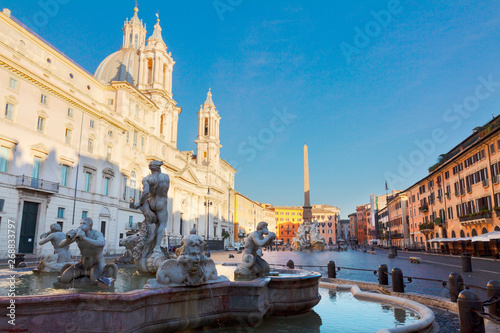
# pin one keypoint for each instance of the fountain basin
(224, 304)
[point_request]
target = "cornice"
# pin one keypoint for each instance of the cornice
(30, 77)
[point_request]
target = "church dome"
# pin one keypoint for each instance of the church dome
(122, 66)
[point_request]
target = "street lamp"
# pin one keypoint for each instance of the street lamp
(208, 203)
(392, 253)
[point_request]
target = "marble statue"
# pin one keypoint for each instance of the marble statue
(53, 263)
(147, 253)
(129, 243)
(191, 268)
(91, 266)
(308, 238)
(253, 265)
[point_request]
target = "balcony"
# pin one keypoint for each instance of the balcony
(426, 227)
(484, 217)
(424, 209)
(34, 184)
(438, 222)
(132, 226)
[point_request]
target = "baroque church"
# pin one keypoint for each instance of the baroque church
(75, 145)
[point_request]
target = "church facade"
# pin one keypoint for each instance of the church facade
(75, 145)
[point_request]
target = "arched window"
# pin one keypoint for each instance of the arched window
(474, 232)
(136, 41)
(453, 234)
(437, 234)
(497, 228)
(484, 231)
(462, 233)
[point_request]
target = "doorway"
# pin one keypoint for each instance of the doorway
(28, 227)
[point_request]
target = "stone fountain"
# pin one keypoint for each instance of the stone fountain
(308, 238)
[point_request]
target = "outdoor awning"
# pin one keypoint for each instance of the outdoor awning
(481, 238)
(487, 237)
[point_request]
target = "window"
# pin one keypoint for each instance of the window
(90, 146)
(84, 214)
(137, 111)
(64, 175)
(127, 137)
(446, 175)
(124, 196)
(60, 213)
(130, 221)
(13, 83)
(108, 153)
(92, 123)
(106, 186)
(88, 177)
(110, 102)
(9, 111)
(135, 139)
(142, 143)
(37, 165)
(67, 136)
(4, 158)
(43, 99)
(40, 126)
(492, 148)
(133, 183)
(60, 224)
(2, 202)
(70, 112)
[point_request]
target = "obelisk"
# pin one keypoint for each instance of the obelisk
(307, 213)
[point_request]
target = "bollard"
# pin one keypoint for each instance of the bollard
(290, 264)
(470, 321)
(383, 276)
(456, 283)
(493, 289)
(466, 262)
(392, 252)
(332, 273)
(398, 285)
(364, 248)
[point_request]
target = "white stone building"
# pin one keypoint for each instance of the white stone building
(74, 144)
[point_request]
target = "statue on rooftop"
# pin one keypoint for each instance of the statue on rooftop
(253, 265)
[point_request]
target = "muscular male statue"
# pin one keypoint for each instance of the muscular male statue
(253, 265)
(91, 243)
(154, 200)
(56, 236)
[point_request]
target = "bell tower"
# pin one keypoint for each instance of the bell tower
(155, 64)
(134, 32)
(208, 143)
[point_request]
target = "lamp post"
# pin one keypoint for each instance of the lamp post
(392, 253)
(208, 203)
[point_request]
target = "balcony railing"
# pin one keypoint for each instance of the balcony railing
(426, 227)
(476, 218)
(424, 209)
(132, 226)
(35, 184)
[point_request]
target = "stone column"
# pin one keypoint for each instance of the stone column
(307, 214)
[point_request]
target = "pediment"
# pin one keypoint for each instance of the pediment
(188, 175)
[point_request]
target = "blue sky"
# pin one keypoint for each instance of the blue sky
(367, 103)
